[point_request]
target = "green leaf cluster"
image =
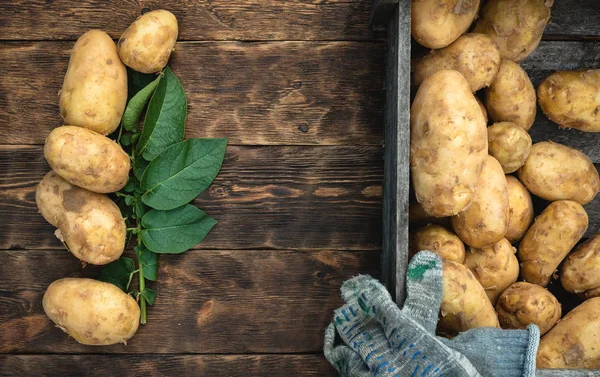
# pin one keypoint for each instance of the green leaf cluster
(167, 173)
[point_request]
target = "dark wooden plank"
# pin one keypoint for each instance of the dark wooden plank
(164, 365)
(264, 197)
(381, 12)
(574, 18)
(328, 93)
(396, 153)
(198, 20)
(554, 56)
(208, 301)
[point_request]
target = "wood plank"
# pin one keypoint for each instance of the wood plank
(574, 18)
(208, 301)
(326, 93)
(198, 20)
(264, 197)
(554, 56)
(164, 365)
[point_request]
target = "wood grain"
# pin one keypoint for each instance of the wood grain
(198, 20)
(264, 197)
(325, 93)
(208, 301)
(164, 365)
(575, 19)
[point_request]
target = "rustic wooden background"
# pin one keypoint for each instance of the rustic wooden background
(297, 86)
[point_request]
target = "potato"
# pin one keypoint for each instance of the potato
(570, 98)
(523, 304)
(474, 55)
(485, 221)
(581, 271)
(495, 267)
(90, 224)
(511, 96)
(87, 159)
(147, 43)
(91, 311)
(464, 302)
(574, 343)
(483, 110)
(520, 210)
(516, 26)
(437, 23)
(94, 91)
(548, 241)
(448, 143)
(509, 144)
(555, 172)
(441, 241)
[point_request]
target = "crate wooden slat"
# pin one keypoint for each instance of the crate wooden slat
(394, 258)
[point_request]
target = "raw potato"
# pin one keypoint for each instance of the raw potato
(448, 143)
(509, 144)
(554, 171)
(92, 312)
(441, 241)
(485, 221)
(475, 56)
(147, 43)
(548, 241)
(581, 271)
(464, 302)
(90, 224)
(570, 98)
(483, 110)
(437, 23)
(523, 304)
(94, 91)
(520, 209)
(511, 96)
(495, 267)
(87, 159)
(574, 343)
(515, 25)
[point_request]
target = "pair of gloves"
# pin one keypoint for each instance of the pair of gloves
(371, 336)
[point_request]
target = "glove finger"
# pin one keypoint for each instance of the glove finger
(343, 358)
(424, 289)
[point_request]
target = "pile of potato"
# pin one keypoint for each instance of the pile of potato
(86, 165)
(475, 211)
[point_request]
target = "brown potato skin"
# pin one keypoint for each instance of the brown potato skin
(556, 172)
(509, 144)
(520, 209)
(475, 56)
(147, 43)
(465, 304)
(581, 271)
(94, 91)
(574, 343)
(448, 143)
(92, 312)
(495, 267)
(511, 96)
(90, 224)
(441, 241)
(524, 303)
(485, 221)
(570, 99)
(437, 23)
(516, 26)
(87, 159)
(548, 241)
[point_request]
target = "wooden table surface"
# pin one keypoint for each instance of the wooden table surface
(297, 86)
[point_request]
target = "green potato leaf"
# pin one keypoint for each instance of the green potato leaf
(136, 105)
(149, 295)
(137, 81)
(181, 172)
(118, 273)
(149, 263)
(175, 231)
(138, 168)
(165, 119)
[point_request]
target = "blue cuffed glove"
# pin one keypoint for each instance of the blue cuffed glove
(371, 336)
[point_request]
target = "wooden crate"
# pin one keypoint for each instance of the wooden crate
(575, 51)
